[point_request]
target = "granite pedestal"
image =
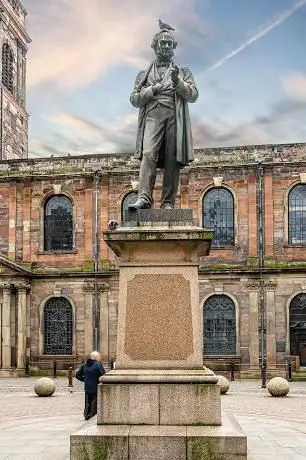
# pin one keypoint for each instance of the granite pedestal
(160, 402)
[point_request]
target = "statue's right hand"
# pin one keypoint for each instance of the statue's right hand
(156, 88)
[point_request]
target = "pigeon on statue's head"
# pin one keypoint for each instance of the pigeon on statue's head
(164, 26)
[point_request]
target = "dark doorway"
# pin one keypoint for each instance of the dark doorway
(298, 345)
(303, 354)
(297, 324)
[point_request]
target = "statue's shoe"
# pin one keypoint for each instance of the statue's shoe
(167, 206)
(139, 204)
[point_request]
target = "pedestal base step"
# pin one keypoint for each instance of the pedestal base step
(159, 442)
(159, 404)
(4, 373)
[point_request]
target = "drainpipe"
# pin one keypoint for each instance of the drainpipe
(96, 309)
(260, 234)
(1, 126)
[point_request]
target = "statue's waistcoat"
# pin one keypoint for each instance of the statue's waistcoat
(167, 95)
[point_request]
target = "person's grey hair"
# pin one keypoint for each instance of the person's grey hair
(96, 355)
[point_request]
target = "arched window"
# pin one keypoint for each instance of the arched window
(7, 67)
(58, 228)
(297, 215)
(219, 326)
(128, 199)
(218, 214)
(297, 325)
(58, 327)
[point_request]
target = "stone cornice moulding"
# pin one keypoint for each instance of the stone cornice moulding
(273, 154)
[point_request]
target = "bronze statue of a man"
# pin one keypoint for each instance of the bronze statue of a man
(164, 133)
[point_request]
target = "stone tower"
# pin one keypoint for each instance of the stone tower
(14, 117)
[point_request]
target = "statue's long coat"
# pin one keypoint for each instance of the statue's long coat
(186, 91)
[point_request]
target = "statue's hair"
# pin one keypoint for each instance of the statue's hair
(157, 36)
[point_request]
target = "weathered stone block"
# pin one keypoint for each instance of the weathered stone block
(157, 442)
(128, 404)
(119, 442)
(100, 443)
(159, 404)
(192, 404)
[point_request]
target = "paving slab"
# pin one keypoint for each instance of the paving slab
(34, 428)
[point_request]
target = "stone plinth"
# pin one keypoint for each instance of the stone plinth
(159, 402)
(159, 398)
(130, 442)
(159, 321)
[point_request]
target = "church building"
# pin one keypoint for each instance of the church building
(59, 280)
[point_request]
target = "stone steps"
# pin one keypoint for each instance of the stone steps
(299, 376)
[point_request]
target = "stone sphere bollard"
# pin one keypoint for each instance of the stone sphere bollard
(223, 384)
(278, 386)
(44, 387)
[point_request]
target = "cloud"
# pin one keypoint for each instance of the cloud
(278, 125)
(74, 43)
(77, 122)
(82, 135)
(39, 148)
(294, 86)
(206, 135)
(283, 123)
(263, 30)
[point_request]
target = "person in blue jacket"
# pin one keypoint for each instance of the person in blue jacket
(89, 373)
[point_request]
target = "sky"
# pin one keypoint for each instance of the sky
(247, 58)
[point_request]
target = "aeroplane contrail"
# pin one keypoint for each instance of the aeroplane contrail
(264, 29)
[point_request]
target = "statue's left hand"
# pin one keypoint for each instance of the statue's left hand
(174, 73)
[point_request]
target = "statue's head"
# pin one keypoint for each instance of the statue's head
(164, 44)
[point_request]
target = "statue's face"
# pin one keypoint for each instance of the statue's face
(165, 47)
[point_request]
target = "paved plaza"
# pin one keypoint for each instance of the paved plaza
(33, 428)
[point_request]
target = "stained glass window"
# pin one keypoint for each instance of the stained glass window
(58, 327)
(58, 228)
(297, 215)
(218, 214)
(219, 326)
(128, 199)
(7, 67)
